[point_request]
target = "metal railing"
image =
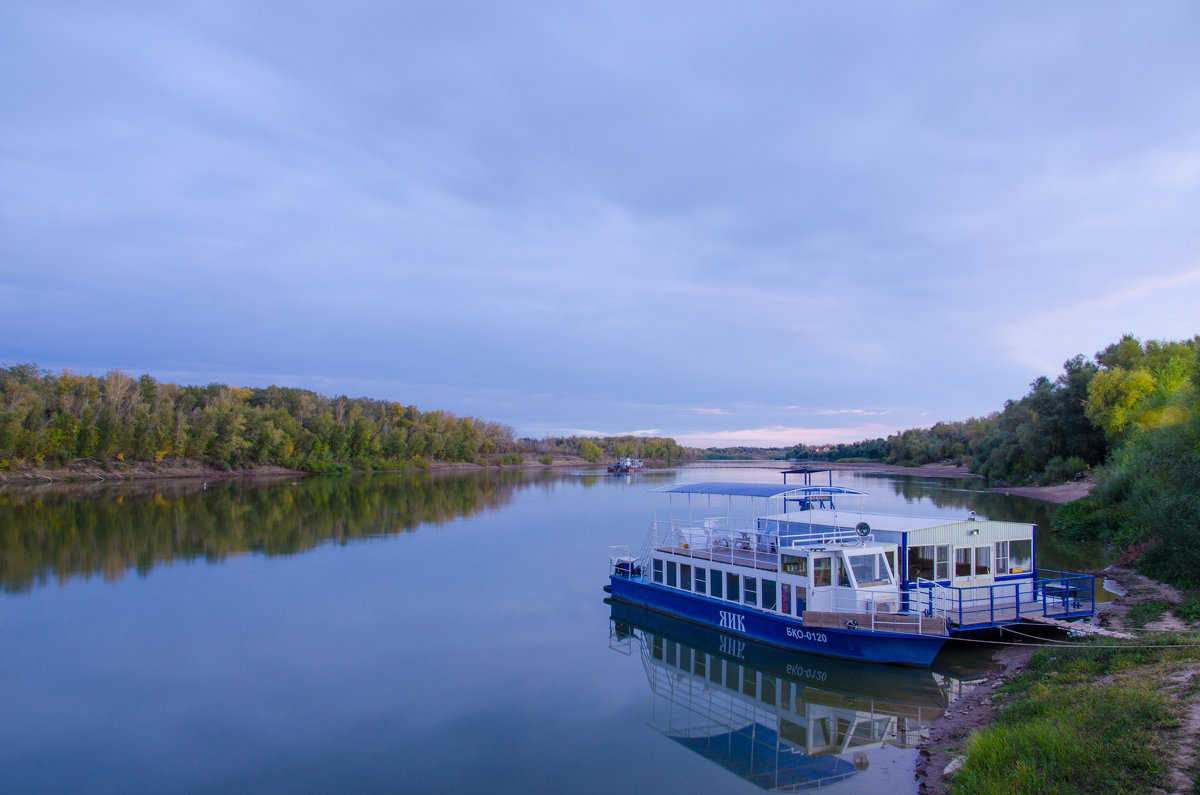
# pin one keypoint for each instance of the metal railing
(713, 541)
(1052, 594)
(883, 611)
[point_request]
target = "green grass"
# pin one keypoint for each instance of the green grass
(1190, 609)
(1143, 613)
(1060, 730)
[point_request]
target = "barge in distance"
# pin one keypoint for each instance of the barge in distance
(782, 565)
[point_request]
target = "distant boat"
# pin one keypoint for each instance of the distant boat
(803, 576)
(623, 466)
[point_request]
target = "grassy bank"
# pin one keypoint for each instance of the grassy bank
(1091, 719)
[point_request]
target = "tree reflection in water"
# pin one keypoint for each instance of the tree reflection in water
(58, 531)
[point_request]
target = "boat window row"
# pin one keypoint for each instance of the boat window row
(934, 562)
(751, 682)
(730, 586)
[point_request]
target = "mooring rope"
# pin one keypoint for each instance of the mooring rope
(1066, 644)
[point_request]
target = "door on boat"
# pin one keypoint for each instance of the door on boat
(820, 593)
(973, 566)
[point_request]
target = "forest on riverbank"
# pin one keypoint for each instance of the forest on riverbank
(56, 419)
(1129, 417)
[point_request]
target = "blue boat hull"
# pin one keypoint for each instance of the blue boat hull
(775, 630)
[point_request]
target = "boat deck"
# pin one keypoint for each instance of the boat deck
(766, 561)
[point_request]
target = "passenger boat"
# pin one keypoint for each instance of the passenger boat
(782, 565)
(626, 465)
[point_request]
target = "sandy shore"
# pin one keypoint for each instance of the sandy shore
(1063, 492)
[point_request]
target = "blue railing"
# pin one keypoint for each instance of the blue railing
(1050, 594)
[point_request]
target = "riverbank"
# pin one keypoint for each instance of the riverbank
(90, 469)
(1063, 492)
(1165, 680)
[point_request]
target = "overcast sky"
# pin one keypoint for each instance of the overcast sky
(756, 223)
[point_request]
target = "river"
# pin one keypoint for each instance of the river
(418, 633)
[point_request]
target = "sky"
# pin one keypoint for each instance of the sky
(762, 224)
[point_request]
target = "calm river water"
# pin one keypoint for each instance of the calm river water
(417, 633)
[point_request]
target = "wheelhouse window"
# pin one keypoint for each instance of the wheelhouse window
(658, 570)
(870, 569)
(843, 574)
(822, 572)
(750, 592)
(701, 580)
(731, 586)
(795, 565)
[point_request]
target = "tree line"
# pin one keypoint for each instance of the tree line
(57, 418)
(1146, 398)
(1130, 414)
(1047, 436)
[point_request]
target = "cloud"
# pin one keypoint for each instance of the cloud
(783, 436)
(1153, 306)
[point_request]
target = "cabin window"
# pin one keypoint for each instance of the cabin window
(731, 586)
(672, 574)
(785, 601)
(701, 666)
(715, 585)
(822, 572)
(672, 653)
(920, 563)
(658, 570)
(962, 562)
(768, 594)
(701, 581)
(685, 576)
(929, 562)
(656, 649)
(943, 561)
(983, 561)
(751, 590)
(869, 570)
(795, 565)
(749, 681)
(1014, 557)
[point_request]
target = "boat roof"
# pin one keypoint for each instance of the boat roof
(754, 489)
(878, 521)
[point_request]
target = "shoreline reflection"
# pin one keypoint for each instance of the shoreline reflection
(59, 532)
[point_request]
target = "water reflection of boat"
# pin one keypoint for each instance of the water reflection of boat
(781, 720)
